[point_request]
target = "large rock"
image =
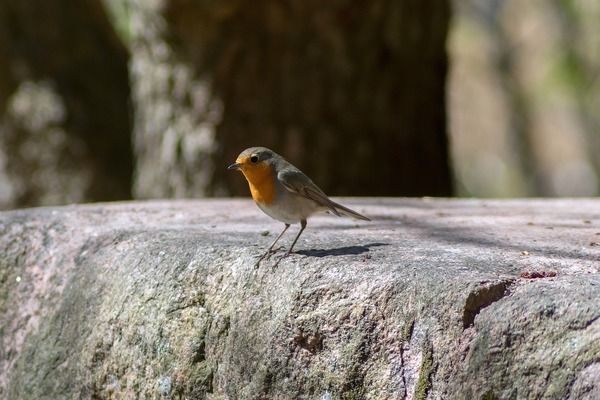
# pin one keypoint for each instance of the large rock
(435, 299)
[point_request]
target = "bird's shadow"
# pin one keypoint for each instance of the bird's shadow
(340, 251)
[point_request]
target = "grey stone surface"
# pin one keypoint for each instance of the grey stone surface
(430, 300)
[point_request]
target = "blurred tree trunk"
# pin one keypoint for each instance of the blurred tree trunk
(352, 92)
(583, 70)
(64, 116)
(488, 14)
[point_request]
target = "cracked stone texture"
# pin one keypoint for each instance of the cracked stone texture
(160, 300)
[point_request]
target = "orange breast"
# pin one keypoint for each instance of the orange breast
(262, 183)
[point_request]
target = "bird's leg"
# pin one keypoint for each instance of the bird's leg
(270, 249)
(302, 226)
(287, 253)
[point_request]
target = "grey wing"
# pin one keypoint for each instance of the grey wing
(298, 183)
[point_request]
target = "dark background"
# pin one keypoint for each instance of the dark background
(120, 99)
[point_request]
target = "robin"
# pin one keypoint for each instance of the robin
(283, 192)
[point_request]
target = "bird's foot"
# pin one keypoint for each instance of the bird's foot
(257, 263)
(276, 250)
(266, 256)
(287, 253)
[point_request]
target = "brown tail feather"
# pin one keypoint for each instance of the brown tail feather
(340, 209)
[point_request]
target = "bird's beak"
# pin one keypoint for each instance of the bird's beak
(235, 166)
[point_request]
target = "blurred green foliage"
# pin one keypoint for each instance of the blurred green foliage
(120, 15)
(524, 97)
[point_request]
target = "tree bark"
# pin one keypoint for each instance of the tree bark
(65, 119)
(351, 92)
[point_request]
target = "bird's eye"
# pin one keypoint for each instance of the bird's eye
(254, 159)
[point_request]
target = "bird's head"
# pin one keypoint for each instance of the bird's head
(254, 163)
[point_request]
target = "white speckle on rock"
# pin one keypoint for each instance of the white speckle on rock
(164, 385)
(112, 383)
(326, 395)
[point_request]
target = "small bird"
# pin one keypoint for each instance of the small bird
(283, 192)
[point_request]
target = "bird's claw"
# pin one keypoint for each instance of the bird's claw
(267, 255)
(279, 260)
(287, 253)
